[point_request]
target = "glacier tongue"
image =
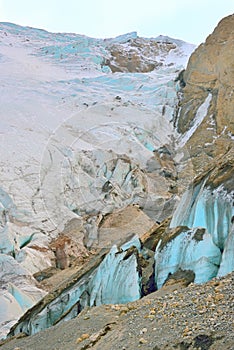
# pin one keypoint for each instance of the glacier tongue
(90, 160)
(78, 139)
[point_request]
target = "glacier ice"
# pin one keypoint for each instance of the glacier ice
(187, 251)
(23, 300)
(115, 280)
(211, 209)
(203, 207)
(19, 292)
(93, 128)
(121, 283)
(227, 262)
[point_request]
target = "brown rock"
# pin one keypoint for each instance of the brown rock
(211, 68)
(141, 57)
(210, 71)
(121, 225)
(82, 337)
(142, 341)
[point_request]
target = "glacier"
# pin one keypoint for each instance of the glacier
(82, 143)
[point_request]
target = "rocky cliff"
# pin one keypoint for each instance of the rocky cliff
(205, 115)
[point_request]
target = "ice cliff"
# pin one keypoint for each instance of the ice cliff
(115, 280)
(186, 252)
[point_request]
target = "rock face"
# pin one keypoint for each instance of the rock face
(144, 55)
(208, 81)
(122, 225)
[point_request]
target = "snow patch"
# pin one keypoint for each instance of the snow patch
(199, 117)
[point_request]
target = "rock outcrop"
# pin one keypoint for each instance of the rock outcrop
(205, 116)
(144, 55)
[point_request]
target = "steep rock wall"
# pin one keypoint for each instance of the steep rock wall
(210, 72)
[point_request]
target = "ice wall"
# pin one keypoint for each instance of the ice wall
(190, 250)
(18, 293)
(207, 208)
(227, 263)
(115, 280)
(212, 210)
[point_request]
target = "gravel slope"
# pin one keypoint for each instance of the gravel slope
(196, 317)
